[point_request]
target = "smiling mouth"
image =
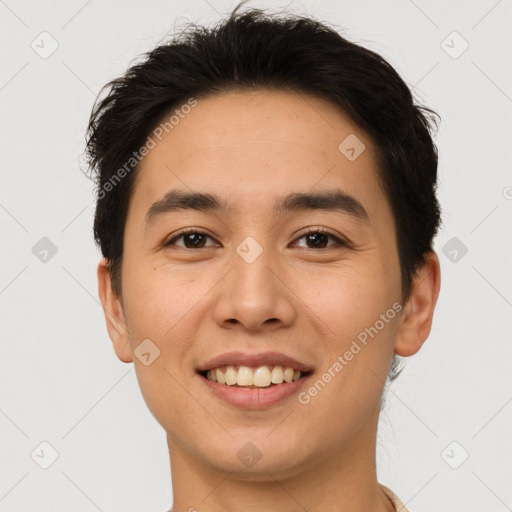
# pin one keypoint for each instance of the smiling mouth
(264, 376)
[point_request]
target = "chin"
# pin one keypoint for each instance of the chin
(256, 457)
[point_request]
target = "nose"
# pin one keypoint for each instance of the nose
(256, 295)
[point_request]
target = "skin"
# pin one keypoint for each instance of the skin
(193, 304)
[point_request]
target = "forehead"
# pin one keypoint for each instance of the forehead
(298, 123)
(254, 146)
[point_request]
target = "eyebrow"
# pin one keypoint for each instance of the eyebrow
(331, 200)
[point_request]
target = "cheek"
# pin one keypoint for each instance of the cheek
(349, 298)
(158, 299)
(159, 306)
(359, 307)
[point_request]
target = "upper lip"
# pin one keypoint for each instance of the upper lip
(254, 360)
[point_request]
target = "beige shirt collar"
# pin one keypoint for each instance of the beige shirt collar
(399, 506)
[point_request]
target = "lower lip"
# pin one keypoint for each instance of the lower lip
(253, 398)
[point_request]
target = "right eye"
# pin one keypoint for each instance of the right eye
(191, 236)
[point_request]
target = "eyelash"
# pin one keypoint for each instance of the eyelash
(187, 231)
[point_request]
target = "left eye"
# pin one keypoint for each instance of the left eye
(196, 239)
(318, 237)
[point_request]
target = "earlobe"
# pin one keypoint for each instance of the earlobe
(114, 315)
(418, 312)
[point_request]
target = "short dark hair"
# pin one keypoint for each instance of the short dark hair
(252, 50)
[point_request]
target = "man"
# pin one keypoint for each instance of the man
(266, 210)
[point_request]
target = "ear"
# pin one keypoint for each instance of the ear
(114, 315)
(416, 318)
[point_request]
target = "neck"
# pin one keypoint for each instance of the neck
(341, 480)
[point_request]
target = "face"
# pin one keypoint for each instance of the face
(259, 278)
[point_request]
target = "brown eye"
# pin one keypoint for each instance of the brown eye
(192, 239)
(319, 239)
(315, 239)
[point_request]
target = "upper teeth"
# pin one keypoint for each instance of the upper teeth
(262, 376)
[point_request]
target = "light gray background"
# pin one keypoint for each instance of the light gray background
(61, 380)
